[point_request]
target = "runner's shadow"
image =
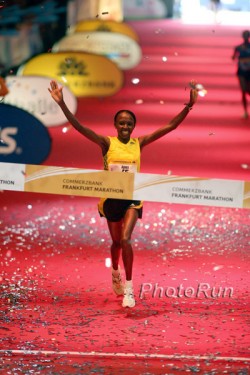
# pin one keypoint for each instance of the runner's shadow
(141, 311)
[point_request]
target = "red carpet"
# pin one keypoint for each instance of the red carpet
(58, 312)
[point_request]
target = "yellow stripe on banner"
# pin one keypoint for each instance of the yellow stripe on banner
(73, 181)
(138, 186)
(246, 199)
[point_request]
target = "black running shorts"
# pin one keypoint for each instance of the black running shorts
(115, 209)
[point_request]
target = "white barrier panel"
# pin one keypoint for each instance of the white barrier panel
(30, 93)
(138, 186)
(119, 48)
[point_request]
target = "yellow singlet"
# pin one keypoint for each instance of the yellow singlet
(122, 157)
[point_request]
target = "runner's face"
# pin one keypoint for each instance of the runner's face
(124, 125)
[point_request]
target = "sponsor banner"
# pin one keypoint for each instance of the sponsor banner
(65, 181)
(12, 176)
(31, 94)
(119, 48)
(23, 138)
(120, 185)
(108, 26)
(79, 71)
(72, 181)
(189, 190)
(247, 194)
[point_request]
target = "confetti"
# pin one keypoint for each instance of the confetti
(108, 262)
(139, 101)
(65, 129)
(217, 268)
(135, 81)
(245, 166)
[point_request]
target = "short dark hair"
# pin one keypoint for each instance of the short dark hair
(125, 110)
(246, 34)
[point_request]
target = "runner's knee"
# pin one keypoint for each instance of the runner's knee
(116, 244)
(125, 242)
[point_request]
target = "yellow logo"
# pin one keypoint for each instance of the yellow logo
(84, 74)
(73, 67)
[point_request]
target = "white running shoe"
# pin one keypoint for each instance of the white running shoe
(128, 299)
(117, 282)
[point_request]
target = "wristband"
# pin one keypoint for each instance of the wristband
(188, 106)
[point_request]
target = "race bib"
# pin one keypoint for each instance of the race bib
(122, 167)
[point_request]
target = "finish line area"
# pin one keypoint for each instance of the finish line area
(58, 312)
(137, 186)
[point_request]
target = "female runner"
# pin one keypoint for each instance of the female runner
(122, 153)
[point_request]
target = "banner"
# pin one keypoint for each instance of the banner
(121, 185)
(102, 25)
(79, 71)
(121, 49)
(23, 138)
(30, 93)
